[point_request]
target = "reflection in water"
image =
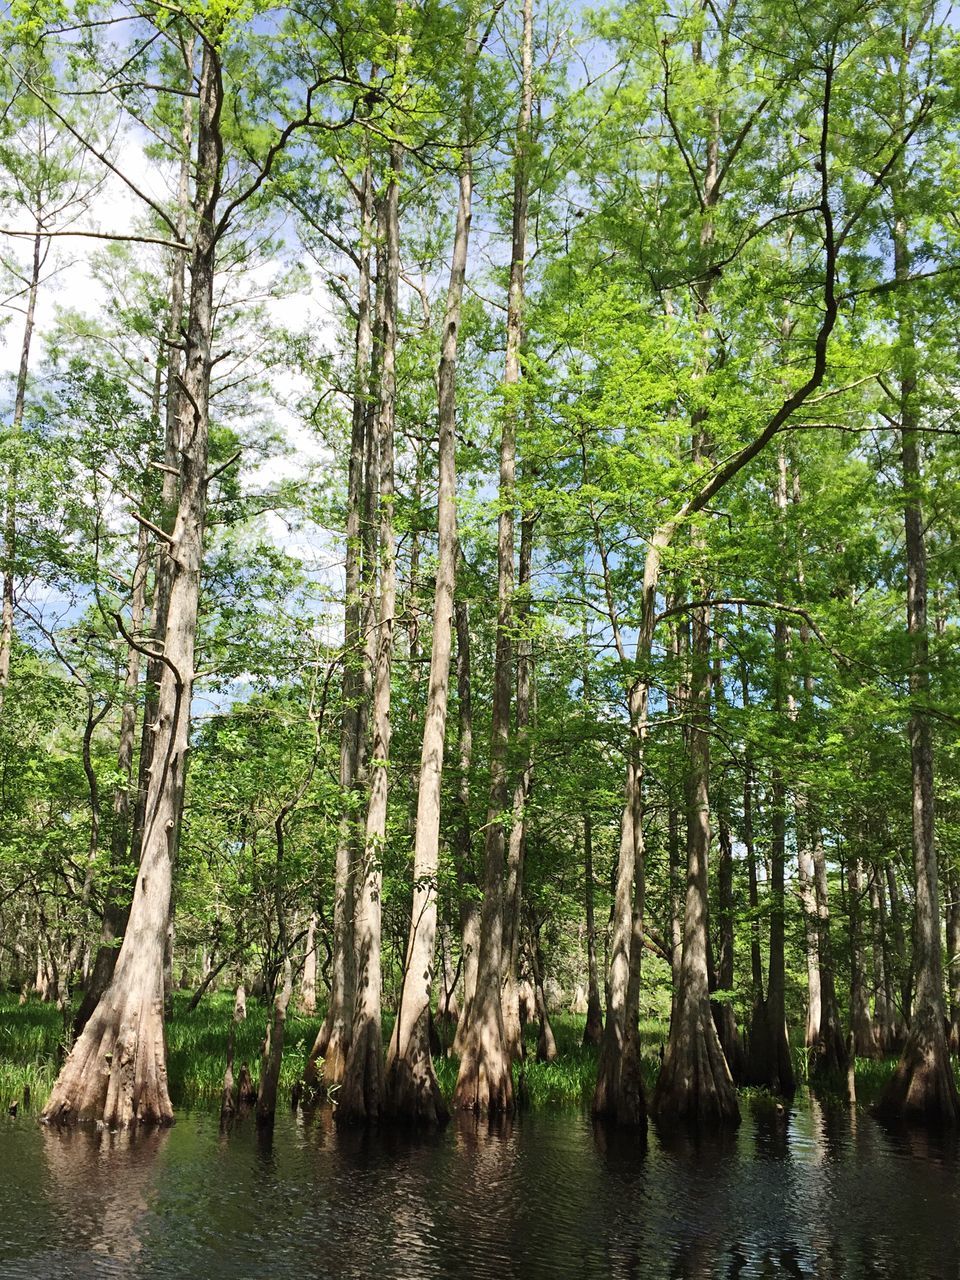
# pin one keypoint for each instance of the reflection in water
(811, 1191)
(101, 1183)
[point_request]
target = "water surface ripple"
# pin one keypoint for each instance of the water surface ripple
(812, 1192)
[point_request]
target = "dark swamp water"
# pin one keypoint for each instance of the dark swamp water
(818, 1192)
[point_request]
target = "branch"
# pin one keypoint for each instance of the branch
(154, 529)
(99, 235)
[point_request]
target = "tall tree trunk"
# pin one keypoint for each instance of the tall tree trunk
(770, 1062)
(170, 487)
(116, 1072)
(328, 1056)
(546, 1043)
(723, 1014)
(513, 891)
(469, 907)
(412, 1091)
(923, 1085)
(361, 1092)
(484, 1082)
(115, 906)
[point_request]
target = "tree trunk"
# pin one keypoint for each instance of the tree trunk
(484, 1082)
(607, 1094)
(272, 1056)
(723, 1014)
(114, 906)
(510, 996)
(463, 845)
(695, 1084)
(861, 1024)
(953, 954)
(412, 1091)
(829, 1054)
(328, 1056)
(923, 1085)
(361, 1092)
(546, 1044)
(116, 1072)
(307, 1004)
(808, 900)
(10, 516)
(593, 1031)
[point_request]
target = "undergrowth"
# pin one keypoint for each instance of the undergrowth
(31, 1051)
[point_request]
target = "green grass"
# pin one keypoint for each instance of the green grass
(31, 1035)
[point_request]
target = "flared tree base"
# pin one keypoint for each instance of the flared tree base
(485, 1081)
(116, 1073)
(328, 1058)
(360, 1097)
(769, 1063)
(923, 1087)
(411, 1092)
(695, 1086)
(618, 1098)
(827, 1056)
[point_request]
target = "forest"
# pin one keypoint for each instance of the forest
(480, 559)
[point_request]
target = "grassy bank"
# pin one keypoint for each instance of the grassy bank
(30, 1039)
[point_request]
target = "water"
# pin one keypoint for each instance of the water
(813, 1192)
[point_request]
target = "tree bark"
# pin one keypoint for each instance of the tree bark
(463, 846)
(361, 1092)
(412, 1091)
(593, 1030)
(116, 1072)
(115, 909)
(272, 1056)
(861, 1023)
(307, 1003)
(695, 1084)
(510, 996)
(327, 1058)
(484, 1082)
(923, 1084)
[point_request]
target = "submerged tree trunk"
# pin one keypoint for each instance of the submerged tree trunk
(116, 1072)
(361, 1093)
(412, 1091)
